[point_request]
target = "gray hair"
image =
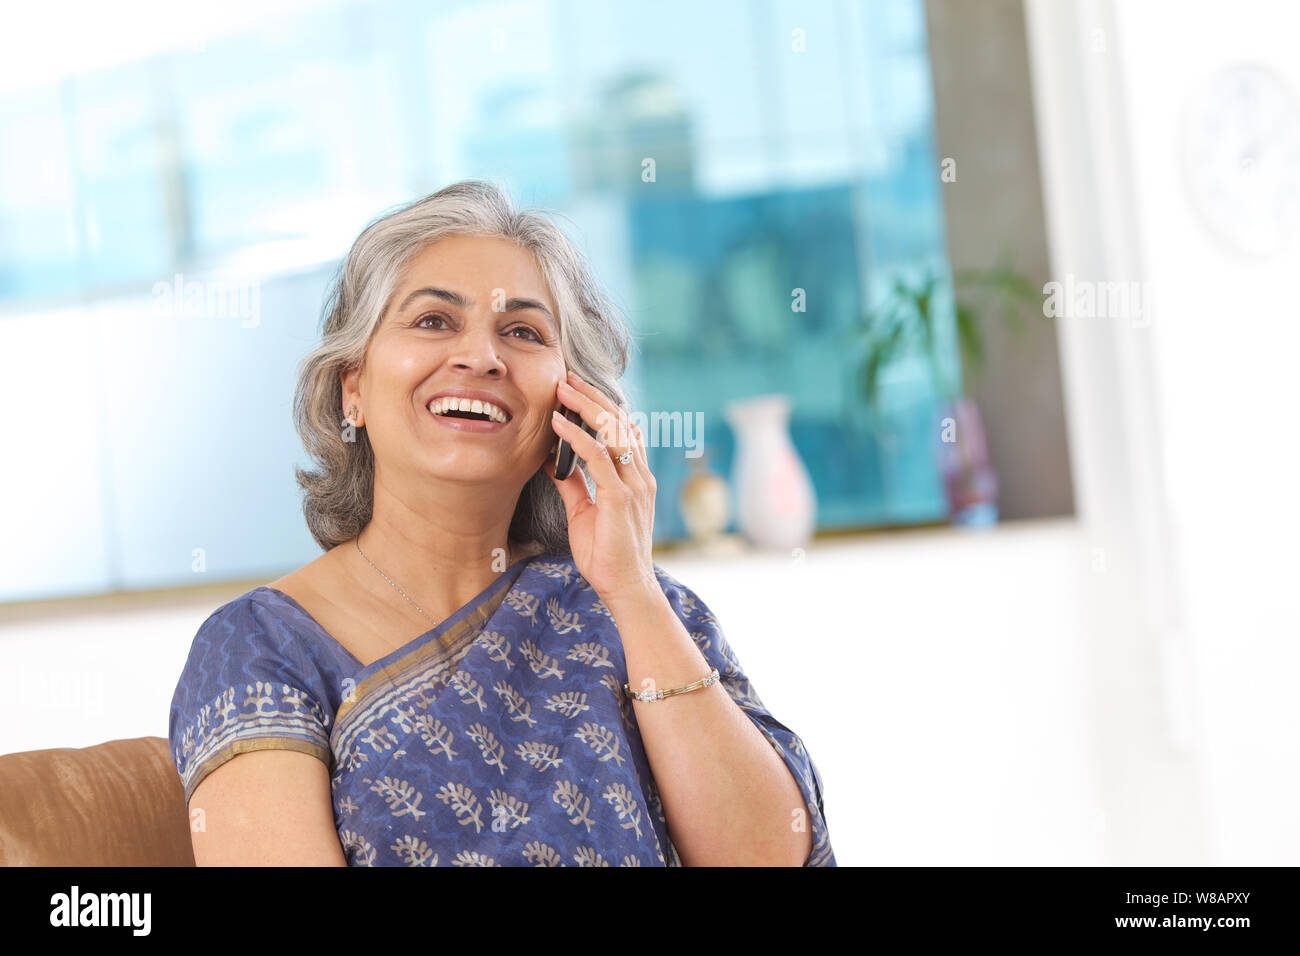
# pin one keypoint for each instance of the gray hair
(339, 495)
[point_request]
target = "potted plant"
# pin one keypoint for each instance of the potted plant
(905, 323)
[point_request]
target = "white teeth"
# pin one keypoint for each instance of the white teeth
(440, 406)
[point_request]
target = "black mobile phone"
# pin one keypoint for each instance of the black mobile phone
(565, 456)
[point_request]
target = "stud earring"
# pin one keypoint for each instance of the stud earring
(352, 415)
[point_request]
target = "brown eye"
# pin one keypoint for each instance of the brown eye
(419, 323)
(523, 328)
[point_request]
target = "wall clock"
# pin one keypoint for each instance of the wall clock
(1241, 149)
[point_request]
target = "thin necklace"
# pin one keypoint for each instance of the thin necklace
(357, 542)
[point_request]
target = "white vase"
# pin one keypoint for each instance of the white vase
(775, 503)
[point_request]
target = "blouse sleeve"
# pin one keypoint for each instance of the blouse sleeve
(707, 633)
(249, 684)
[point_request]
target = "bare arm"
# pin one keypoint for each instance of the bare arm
(266, 808)
(728, 796)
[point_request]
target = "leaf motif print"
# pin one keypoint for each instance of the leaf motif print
(435, 736)
(597, 655)
(541, 664)
(261, 705)
(403, 717)
(570, 703)
(348, 805)
(364, 852)
(656, 804)
(470, 691)
(517, 706)
(688, 604)
(742, 693)
(401, 797)
(523, 604)
(414, 852)
(574, 803)
(630, 861)
(262, 696)
(586, 856)
(352, 758)
(538, 755)
(225, 710)
(598, 607)
(302, 706)
(379, 737)
(462, 800)
(562, 621)
(702, 640)
(187, 738)
(472, 858)
(539, 854)
(624, 803)
(488, 745)
(601, 740)
(733, 666)
(624, 705)
(513, 809)
(555, 569)
(497, 646)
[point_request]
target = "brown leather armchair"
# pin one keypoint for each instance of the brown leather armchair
(118, 803)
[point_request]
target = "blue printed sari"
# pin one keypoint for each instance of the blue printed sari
(502, 737)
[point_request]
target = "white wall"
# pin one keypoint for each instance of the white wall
(1186, 462)
(932, 676)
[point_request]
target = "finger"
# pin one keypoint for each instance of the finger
(639, 449)
(598, 411)
(614, 429)
(634, 464)
(636, 471)
(592, 451)
(642, 459)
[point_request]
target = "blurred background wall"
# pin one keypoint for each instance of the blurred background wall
(984, 121)
(176, 213)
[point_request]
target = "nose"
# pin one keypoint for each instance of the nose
(475, 350)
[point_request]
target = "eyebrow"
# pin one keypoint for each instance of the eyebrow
(456, 299)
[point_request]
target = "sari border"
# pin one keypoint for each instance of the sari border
(435, 650)
(196, 773)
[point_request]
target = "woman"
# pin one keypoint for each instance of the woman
(450, 682)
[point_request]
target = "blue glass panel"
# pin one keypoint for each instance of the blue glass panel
(791, 145)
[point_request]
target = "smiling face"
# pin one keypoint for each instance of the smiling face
(440, 333)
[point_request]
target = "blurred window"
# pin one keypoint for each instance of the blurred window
(791, 145)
